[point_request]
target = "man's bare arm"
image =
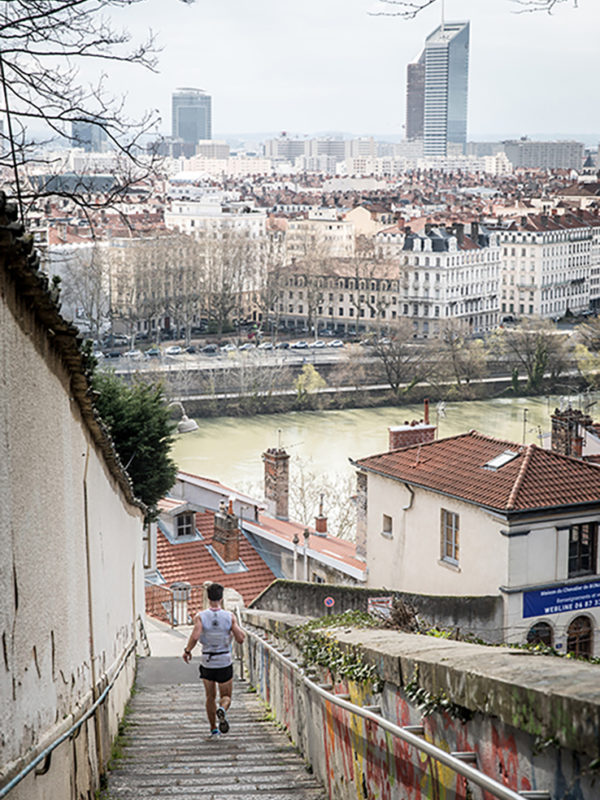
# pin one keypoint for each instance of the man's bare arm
(193, 640)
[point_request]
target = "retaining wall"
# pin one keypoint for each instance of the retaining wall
(532, 721)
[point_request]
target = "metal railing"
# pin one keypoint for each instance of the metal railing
(46, 754)
(459, 762)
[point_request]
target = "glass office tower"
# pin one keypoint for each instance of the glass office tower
(446, 89)
(191, 115)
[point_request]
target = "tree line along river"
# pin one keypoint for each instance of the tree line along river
(229, 449)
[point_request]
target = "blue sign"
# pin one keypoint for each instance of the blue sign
(561, 598)
(329, 602)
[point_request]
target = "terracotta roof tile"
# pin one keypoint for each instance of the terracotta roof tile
(534, 478)
(193, 562)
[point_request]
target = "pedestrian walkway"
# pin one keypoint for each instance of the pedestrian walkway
(168, 751)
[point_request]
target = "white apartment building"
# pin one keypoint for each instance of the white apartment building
(446, 274)
(425, 278)
(213, 213)
(551, 264)
(323, 233)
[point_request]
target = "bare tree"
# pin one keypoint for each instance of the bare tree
(405, 362)
(271, 279)
(85, 285)
(537, 348)
(43, 45)
(308, 488)
(461, 359)
(408, 9)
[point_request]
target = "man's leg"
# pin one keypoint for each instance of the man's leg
(225, 694)
(210, 689)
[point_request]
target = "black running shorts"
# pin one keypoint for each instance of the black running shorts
(218, 675)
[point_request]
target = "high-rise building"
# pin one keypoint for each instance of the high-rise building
(545, 155)
(415, 97)
(191, 115)
(446, 88)
(92, 138)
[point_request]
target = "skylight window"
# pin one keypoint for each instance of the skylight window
(499, 461)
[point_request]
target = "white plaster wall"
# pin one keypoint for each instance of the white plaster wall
(45, 666)
(410, 559)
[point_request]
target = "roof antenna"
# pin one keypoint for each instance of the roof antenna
(279, 438)
(443, 24)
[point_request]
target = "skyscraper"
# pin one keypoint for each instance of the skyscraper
(191, 115)
(415, 97)
(437, 88)
(92, 138)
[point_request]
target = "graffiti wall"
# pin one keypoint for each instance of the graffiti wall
(357, 759)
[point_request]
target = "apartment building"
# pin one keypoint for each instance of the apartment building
(551, 263)
(213, 213)
(322, 234)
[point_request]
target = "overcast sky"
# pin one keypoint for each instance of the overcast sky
(325, 65)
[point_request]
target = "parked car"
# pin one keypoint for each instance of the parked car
(133, 354)
(336, 343)
(228, 348)
(301, 345)
(282, 346)
(153, 352)
(112, 354)
(191, 348)
(318, 343)
(174, 350)
(265, 346)
(208, 349)
(247, 346)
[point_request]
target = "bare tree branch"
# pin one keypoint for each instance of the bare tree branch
(408, 9)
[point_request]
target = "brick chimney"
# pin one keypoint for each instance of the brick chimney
(321, 521)
(568, 427)
(415, 432)
(226, 539)
(277, 481)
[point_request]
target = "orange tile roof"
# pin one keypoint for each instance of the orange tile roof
(535, 478)
(193, 562)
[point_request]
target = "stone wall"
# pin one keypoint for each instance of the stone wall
(71, 582)
(533, 722)
(480, 616)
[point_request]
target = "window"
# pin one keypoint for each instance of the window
(449, 536)
(386, 527)
(579, 637)
(582, 549)
(540, 633)
(185, 524)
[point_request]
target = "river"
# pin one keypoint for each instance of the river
(229, 448)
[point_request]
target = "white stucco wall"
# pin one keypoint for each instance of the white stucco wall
(410, 560)
(44, 611)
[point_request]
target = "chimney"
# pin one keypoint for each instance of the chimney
(459, 232)
(568, 426)
(226, 538)
(475, 232)
(415, 432)
(321, 521)
(277, 481)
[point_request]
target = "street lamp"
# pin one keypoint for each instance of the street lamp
(185, 424)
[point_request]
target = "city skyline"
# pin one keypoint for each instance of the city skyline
(333, 67)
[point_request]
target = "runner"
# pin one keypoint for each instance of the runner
(214, 629)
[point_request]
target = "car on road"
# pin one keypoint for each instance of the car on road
(301, 345)
(152, 352)
(335, 343)
(265, 346)
(228, 348)
(247, 346)
(191, 348)
(318, 343)
(174, 350)
(133, 354)
(282, 346)
(209, 348)
(112, 354)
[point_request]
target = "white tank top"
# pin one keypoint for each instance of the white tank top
(216, 638)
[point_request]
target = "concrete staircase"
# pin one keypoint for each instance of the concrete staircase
(168, 752)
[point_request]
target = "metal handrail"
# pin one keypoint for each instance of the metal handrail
(45, 753)
(456, 764)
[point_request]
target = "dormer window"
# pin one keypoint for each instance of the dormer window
(185, 524)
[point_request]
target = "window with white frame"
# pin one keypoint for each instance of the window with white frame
(185, 524)
(449, 536)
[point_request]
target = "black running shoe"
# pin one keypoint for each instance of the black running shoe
(223, 724)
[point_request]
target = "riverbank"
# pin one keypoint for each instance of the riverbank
(241, 404)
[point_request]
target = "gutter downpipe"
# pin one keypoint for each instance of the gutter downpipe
(412, 497)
